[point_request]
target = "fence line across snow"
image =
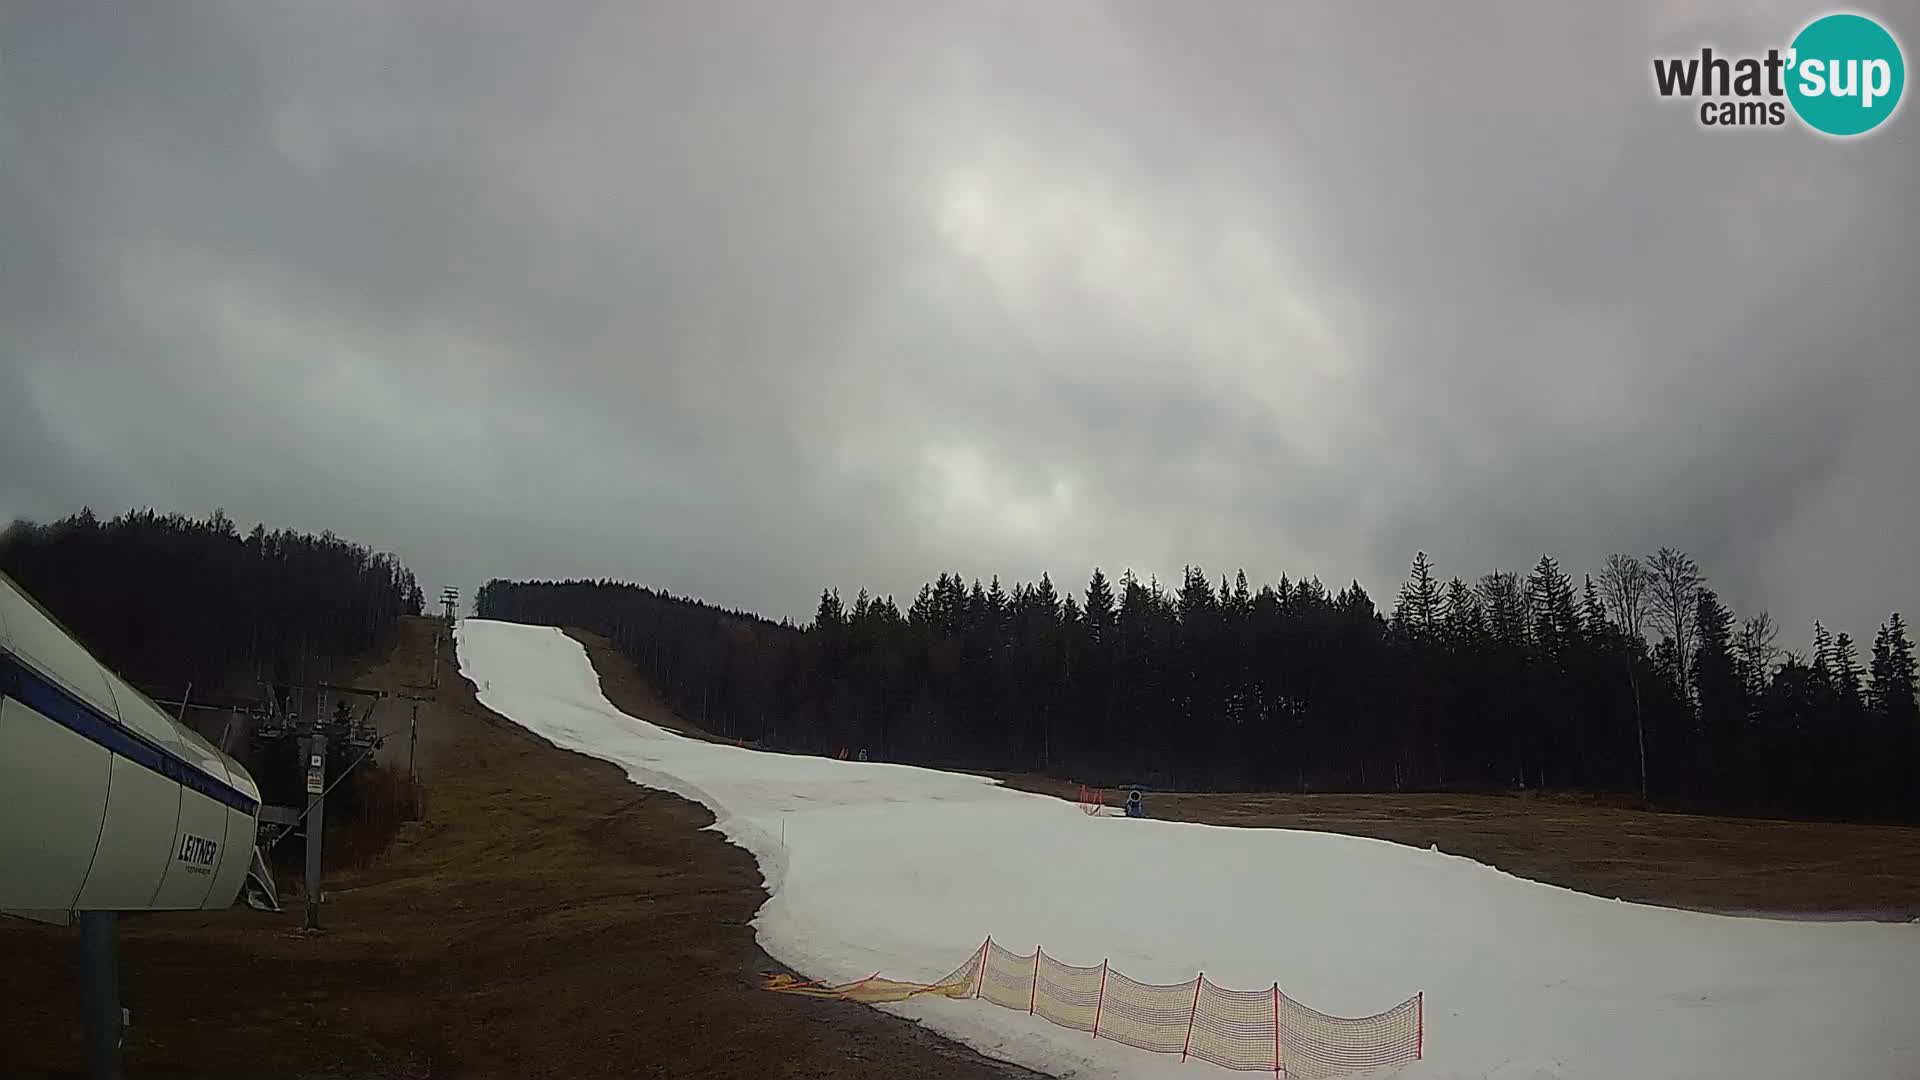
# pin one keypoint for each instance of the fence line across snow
(1251, 1030)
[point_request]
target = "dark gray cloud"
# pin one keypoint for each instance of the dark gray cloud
(744, 299)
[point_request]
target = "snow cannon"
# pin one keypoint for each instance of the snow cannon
(106, 802)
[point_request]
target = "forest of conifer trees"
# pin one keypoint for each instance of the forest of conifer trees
(1638, 680)
(169, 600)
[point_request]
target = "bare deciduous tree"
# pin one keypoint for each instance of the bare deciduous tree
(1757, 651)
(1625, 588)
(1675, 583)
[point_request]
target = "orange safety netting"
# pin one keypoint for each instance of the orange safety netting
(874, 989)
(1093, 801)
(1238, 1029)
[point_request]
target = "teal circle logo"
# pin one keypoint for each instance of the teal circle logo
(1845, 74)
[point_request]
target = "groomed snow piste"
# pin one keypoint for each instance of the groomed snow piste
(902, 870)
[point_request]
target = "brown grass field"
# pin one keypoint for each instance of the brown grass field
(547, 919)
(550, 919)
(1743, 865)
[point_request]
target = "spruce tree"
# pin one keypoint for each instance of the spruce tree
(830, 614)
(1418, 609)
(1593, 614)
(1099, 605)
(1720, 691)
(1460, 613)
(1880, 673)
(1846, 673)
(1891, 691)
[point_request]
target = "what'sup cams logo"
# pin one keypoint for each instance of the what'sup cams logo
(1842, 75)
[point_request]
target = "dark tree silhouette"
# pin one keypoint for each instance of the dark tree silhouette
(169, 600)
(1517, 682)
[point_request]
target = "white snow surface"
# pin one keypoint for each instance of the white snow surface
(903, 870)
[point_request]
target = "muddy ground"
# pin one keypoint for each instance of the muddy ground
(547, 919)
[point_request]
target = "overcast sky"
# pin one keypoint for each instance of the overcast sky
(745, 299)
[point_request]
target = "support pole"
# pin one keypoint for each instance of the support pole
(1034, 994)
(1100, 1002)
(986, 947)
(100, 994)
(316, 821)
(1420, 1025)
(1276, 1031)
(1198, 982)
(413, 745)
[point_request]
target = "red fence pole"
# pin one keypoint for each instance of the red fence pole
(986, 950)
(1276, 1031)
(1420, 1025)
(1201, 978)
(1035, 992)
(1101, 1001)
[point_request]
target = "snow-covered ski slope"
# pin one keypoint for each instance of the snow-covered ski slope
(878, 867)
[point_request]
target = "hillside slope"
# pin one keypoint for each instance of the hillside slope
(904, 870)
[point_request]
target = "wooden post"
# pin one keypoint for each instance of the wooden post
(1276, 1031)
(1198, 980)
(1100, 1002)
(1034, 994)
(986, 947)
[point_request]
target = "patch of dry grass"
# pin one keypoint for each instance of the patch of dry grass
(545, 919)
(1680, 860)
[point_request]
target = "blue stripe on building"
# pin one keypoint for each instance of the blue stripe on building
(53, 701)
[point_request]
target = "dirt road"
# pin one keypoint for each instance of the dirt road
(548, 919)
